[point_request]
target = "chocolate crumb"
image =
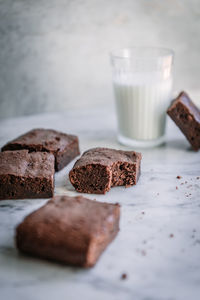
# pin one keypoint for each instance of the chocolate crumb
(178, 177)
(198, 177)
(176, 188)
(143, 252)
(185, 181)
(197, 242)
(143, 212)
(171, 235)
(124, 276)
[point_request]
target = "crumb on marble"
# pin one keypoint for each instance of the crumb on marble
(124, 276)
(143, 252)
(176, 188)
(171, 235)
(189, 186)
(178, 177)
(197, 242)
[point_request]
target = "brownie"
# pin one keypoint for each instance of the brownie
(71, 230)
(26, 175)
(99, 169)
(64, 147)
(186, 115)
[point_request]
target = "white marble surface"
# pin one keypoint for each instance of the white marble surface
(159, 267)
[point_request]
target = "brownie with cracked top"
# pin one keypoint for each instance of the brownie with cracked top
(99, 169)
(71, 230)
(65, 147)
(186, 115)
(26, 175)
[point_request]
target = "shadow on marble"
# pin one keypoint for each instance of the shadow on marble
(12, 257)
(63, 185)
(179, 144)
(8, 250)
(13, 205)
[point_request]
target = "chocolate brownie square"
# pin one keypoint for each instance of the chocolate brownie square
(186, 115)
(71, 230)
(64, 147)
(26, 175)
(99, 169)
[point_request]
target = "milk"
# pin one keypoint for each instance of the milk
(141, 103)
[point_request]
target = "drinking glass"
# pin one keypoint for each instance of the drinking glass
(142, 80)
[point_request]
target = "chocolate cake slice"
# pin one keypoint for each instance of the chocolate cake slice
(99, 169)
(186, 115)
(64, 147)
(71, 230)
(26, 175)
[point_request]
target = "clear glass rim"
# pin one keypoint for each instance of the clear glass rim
(143, 53)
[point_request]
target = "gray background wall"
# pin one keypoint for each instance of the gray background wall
(54, 53)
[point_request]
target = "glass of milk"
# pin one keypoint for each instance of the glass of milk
(142, 79)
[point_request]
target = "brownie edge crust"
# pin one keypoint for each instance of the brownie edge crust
(64, 147)
(99, 169)
(70, 230)
(26, 175)
(186, 115)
